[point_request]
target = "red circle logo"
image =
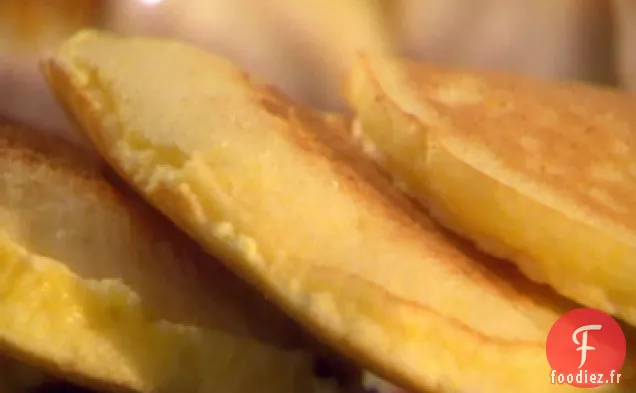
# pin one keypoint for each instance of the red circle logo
(586, 348)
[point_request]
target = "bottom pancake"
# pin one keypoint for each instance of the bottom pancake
(98, 289)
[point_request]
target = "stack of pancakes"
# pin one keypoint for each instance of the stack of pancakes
(392, 237)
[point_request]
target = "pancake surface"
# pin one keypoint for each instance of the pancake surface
(99, 289)
(276, 190)
(541, 173)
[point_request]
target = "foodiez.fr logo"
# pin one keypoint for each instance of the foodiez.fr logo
(586, 348)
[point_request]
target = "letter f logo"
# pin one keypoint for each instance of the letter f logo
(583, 344)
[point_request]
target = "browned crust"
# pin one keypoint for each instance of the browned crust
(576, 140)
(30, 146)
(325, 137)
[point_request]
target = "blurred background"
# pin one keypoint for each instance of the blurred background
(304, 46)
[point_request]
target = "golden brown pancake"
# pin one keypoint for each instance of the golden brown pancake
(276, 190)
(99, 289)
(541, 173)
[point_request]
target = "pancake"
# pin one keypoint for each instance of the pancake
(541, 173)
(278, 192)
(97, 288)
